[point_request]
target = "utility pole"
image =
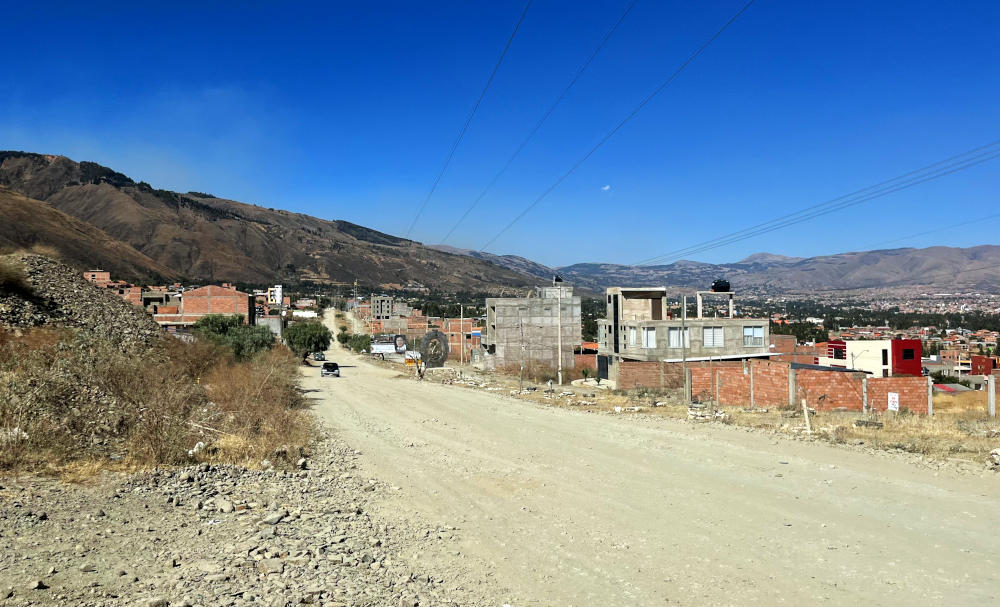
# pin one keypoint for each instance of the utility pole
(559, 335)
(461, 339)
(520, 375)
(684, 362)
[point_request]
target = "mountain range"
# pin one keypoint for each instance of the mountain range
(94, 216)
(71, 206)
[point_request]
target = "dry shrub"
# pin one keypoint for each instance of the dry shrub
(67, 399)
(973, 400)
(258, 406)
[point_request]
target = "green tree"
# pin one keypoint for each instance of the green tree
(244, 341)
(306, 337)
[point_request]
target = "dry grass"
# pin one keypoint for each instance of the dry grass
(258, 407)
(959, 429)
(71, 405)
(539, 374)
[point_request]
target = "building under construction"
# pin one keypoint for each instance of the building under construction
(534, 329)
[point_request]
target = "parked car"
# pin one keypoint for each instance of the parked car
(319, 356)
(330, 369)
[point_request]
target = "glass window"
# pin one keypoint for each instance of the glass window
(753, 337)
(649, 337)
(631, 336)
(674, 338)
(712, 337)
(908, 354)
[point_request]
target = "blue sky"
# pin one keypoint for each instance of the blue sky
(348, 110)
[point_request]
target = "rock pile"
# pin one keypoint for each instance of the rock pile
(59, 295)
(216, 535)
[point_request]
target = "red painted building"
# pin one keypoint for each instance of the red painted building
(982, 365)
(906, 355)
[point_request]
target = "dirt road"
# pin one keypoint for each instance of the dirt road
(557, 507)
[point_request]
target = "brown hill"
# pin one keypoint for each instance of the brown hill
(29, 223)
(203, 237)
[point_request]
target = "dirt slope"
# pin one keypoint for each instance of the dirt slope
(568, 508)
(28, 222)
(203, 237)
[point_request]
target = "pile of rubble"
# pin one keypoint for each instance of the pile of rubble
(216, 535)
(59, 295)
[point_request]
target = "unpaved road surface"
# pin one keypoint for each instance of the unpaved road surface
(558, 507)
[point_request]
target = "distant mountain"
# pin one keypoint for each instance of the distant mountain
(29, 223)
(201, 237)
(939, 268)
(511, 262)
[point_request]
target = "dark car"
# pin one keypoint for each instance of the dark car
(319, 356)
(331, 369)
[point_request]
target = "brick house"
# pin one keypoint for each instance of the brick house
(213, 299)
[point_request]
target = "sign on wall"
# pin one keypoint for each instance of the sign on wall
(894, 401)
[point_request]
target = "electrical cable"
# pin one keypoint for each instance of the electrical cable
(468, 120)
(541, 121)
(618, 127)
(938, 169)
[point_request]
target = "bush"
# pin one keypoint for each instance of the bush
(244, 341)
(306, 337)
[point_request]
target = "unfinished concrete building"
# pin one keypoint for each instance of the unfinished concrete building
(381, 307)
(640, 339)
(528, 328)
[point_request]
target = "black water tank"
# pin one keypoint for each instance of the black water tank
(720, 286)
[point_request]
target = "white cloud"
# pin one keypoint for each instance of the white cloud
(605, 188)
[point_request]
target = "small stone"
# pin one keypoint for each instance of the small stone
(270, 566)
(7, 593)
(274, 518)
(87, 567)
(155, 602)
(224, 506)
(36, 585)
(301, 464)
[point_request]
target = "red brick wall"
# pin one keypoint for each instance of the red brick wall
(732, 381)
(912, 393)
(638, 374)
(589, 361)
(829, 389)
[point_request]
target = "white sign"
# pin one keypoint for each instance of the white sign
(894, 401)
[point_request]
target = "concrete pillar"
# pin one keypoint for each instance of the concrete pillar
(864, 394)
(698, 298)
(991, 395)
(792, 386)
(930, 396)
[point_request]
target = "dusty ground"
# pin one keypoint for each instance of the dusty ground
(561, 507)
(480, 499)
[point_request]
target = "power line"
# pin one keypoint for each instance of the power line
(468, 120)
(938, 169)
(941, 229)
(540, 122)
(618, 127)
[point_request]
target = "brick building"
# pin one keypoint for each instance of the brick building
(98, 277)
(213, 299)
